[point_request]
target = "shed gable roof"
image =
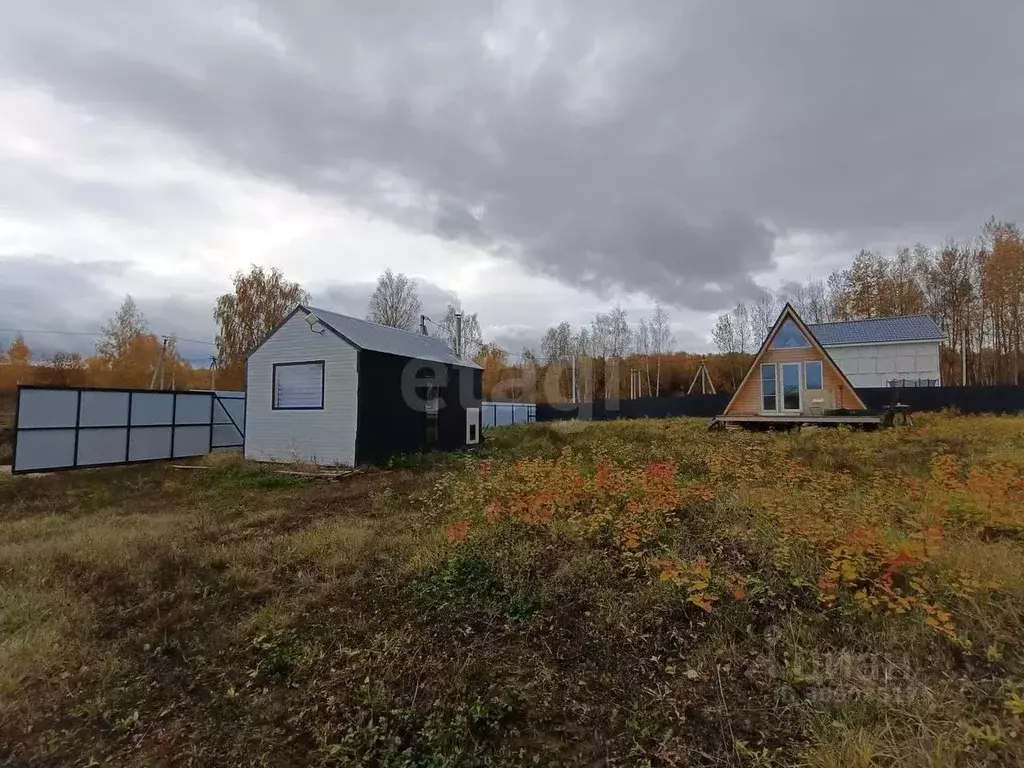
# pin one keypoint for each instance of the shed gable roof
(788, 314)
(393, 341)
(877, 330)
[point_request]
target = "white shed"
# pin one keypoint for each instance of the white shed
(884, 351)
(332, 389)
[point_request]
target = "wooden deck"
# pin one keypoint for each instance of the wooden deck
(789, 421)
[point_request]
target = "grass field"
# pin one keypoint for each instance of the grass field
(621, 593)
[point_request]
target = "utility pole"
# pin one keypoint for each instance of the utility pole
(163, 351)
(423, 324)
(213, 373)
(159, 370)
(573, 398)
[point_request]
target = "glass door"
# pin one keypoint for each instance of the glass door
(790, 375)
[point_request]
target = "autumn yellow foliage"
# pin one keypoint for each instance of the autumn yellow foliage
(875, 516)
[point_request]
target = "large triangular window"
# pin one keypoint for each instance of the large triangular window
(789, 337)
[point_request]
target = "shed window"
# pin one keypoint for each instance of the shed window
(812, 374)
(789, 337)
(768, 388)
(299, 386)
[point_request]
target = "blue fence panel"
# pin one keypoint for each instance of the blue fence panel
(68, 428)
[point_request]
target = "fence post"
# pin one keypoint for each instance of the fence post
(128, 431)
(78, 424)
(174, 420)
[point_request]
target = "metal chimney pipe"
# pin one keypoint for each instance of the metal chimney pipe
(458, 333)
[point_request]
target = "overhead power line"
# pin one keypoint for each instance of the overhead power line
(50, 333)
(96, 334)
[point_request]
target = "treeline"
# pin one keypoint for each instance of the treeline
(531, 380)
(127, 355)
(974, 290)
(612, 356)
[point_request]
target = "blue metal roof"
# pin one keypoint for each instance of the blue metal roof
(877, 330)
(394, 341)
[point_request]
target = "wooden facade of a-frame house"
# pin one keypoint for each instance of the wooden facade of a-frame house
(794, 381)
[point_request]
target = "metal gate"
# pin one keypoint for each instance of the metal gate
(73, 428)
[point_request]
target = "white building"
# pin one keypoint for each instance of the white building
(884, 351)
(332, 389)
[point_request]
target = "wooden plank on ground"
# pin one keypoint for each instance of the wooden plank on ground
(320, 475)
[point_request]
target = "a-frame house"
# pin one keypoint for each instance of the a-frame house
(793, 379)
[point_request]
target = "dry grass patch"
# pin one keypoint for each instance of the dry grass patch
(635, 593)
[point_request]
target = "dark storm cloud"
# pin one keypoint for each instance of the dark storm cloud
(639, 146)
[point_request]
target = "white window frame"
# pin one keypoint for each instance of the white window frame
(780, 387)
(472, 419)
(760, 387)
(275, 393)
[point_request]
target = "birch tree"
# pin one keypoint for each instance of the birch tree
(395, 302)
(557, 350)
(642, 339)
(258, 303)
(660, 331)
(763, 313)
(740, 319)
(127, 324)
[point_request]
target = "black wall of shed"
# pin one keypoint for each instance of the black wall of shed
(464, 390)
(387, 425)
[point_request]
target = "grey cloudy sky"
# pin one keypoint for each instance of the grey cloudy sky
(538, 160)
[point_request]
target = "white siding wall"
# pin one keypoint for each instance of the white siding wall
(874, 365)
(324, 437)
